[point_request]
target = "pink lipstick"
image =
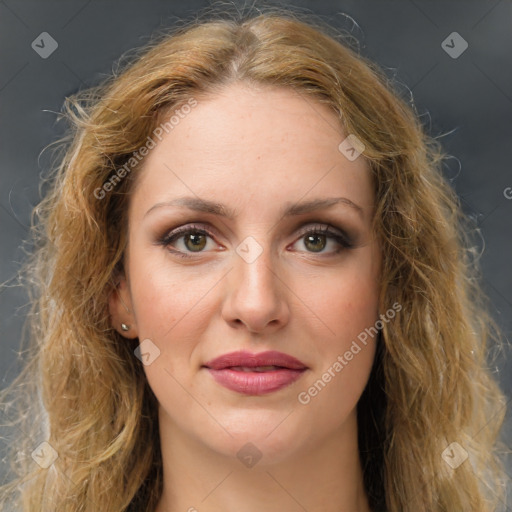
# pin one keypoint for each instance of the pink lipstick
(255, 374)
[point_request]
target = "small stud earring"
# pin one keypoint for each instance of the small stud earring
(125, 327)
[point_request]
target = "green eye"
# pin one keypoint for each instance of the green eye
(195, 239)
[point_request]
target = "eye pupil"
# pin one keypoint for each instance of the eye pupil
(316, 248)
(198, 241)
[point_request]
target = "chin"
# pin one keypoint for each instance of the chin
(258, 434)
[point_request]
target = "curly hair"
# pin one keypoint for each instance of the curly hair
(82, 390)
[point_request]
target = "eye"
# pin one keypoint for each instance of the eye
(194, 239)
(316, 239)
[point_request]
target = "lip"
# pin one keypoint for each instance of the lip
(244, 358)
(255, 382)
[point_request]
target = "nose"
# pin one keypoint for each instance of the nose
(256, 295)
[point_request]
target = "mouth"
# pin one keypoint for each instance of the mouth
(255, 374)
(264, 361)
(255, 368)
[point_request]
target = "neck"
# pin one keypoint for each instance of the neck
(324, 477)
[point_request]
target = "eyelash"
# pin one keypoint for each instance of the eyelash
(320, 229)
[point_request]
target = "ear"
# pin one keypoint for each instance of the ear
(120, 307)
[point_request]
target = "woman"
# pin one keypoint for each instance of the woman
(254, 293)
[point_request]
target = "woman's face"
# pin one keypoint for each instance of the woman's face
(249, 163)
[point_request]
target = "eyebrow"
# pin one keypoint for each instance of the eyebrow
(289, 210)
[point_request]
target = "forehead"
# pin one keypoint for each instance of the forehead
(252, 146)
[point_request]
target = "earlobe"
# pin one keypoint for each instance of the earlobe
(121, 311)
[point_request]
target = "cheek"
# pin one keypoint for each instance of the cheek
(345, 314)
(344, 352)
(167, 298)
(344, 311)
(343, 302)
(173, 310)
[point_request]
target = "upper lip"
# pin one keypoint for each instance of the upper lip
(249, 360)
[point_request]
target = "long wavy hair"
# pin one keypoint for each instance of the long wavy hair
(84, 392)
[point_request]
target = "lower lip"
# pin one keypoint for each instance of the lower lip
(255, 383)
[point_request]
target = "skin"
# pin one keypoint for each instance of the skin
(254, 150)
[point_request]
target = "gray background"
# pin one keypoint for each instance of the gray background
(467, 99)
